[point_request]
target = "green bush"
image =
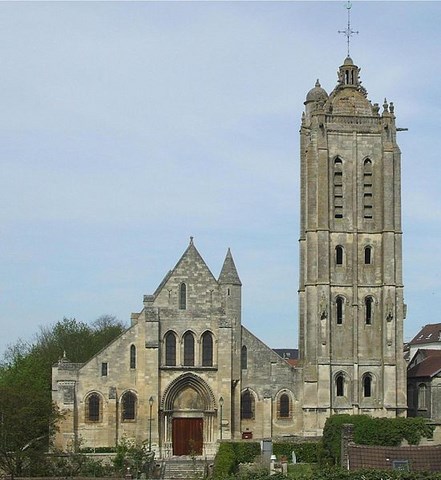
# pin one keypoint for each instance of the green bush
(371, 431)
(306, 452)
(225, 462)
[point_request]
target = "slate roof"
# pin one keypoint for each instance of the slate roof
(429, 366)
(428, 334)
(420, 458)
(290, 355)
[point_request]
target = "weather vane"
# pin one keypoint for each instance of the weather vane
(348, 32)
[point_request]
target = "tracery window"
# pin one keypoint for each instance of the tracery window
(188, 349)
(207, 349)
(170, 349)
(247, 405)
(128, 406)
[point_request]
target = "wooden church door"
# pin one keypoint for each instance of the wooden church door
(187, 436)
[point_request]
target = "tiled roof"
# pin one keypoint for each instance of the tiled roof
(429, 366)
(428, 334)
(427, 458)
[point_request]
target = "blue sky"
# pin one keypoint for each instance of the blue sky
(127, 127)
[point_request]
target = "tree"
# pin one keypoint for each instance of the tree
(27, 415)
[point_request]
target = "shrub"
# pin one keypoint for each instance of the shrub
(225, 461)
(371, 431)
(306, 452)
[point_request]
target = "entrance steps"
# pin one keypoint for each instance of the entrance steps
(185, 468)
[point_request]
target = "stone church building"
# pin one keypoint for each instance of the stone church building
(187, 374)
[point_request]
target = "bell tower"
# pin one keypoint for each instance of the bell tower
(351, 307)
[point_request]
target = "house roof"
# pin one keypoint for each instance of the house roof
(428, 334)
(429, 366)
(419, 458)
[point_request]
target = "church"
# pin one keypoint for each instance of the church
(186, 373)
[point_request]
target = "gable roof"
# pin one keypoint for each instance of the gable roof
(429, 366)
(428, 334)
(191, 251)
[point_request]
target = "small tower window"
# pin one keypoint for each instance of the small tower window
(132, 356)
(339, 255)
(182, 296)
(368, 305)
(368, 255)
(340, 385)
(367, 189)
(367, 386)
(338, 188)
(244, 358)
(188, 349)
(339, 305)
(104, 369)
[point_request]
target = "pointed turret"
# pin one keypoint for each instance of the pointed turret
(229, 273)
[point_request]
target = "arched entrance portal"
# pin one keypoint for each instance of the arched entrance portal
(188, 416)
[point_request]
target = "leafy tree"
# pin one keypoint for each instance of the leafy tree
(27, 415)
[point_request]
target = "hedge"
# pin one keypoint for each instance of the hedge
(372, 431)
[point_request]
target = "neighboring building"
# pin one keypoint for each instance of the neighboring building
(186, 373)
(424, 373)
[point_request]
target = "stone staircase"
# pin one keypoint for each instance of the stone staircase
(185, 468)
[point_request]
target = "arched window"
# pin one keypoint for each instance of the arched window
(244, 357)
(188, 349)
(367, 189)
(247, 405)
(340, 385)
(339, 306)
(132, 356)
(367, 386)
(93, 408)
(207, 349)
(368, 255)
(368, 307)
(128, 406)
(422, 396)
(170, 349)
(338, 188)
(284, 410)
(339, 255)
(182, 296)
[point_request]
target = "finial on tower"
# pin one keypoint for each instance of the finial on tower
(348, 32)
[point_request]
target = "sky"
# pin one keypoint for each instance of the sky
(127, 127)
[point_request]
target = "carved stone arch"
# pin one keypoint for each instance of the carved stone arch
(252, 391)
(128, 390)
(185, 381)
(284, 400)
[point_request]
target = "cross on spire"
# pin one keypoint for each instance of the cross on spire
(348, 32)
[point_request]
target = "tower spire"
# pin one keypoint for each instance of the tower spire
(348, 32)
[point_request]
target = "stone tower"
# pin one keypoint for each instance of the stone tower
(351, 306)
